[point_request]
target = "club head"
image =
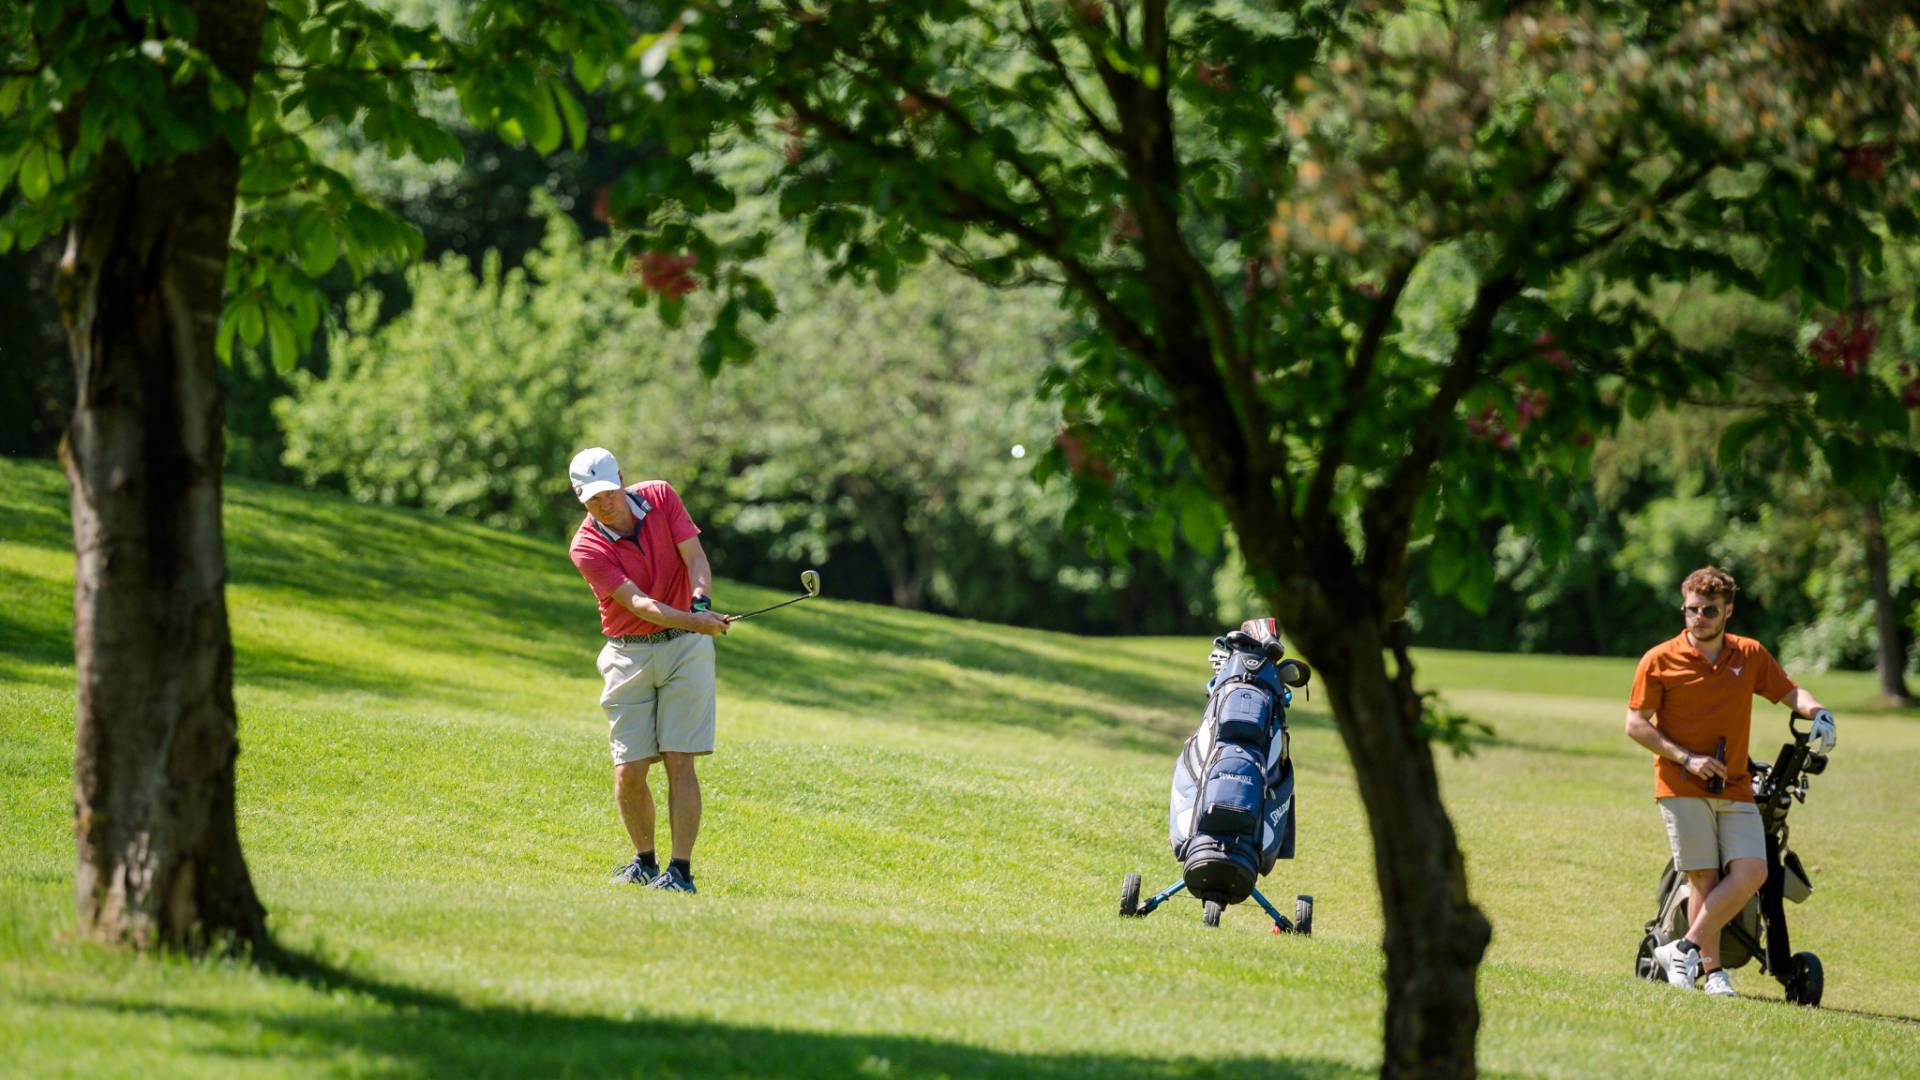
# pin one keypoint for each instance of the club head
(810, 581)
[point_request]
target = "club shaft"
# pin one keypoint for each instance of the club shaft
(770, 607)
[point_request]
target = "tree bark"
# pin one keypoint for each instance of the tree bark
(158, 851)
(1890, 657)
(1435, 936)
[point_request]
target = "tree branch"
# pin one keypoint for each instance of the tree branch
(1044, 46)
(896, 81)
(1333, 450)
(973, 207)
(1388, 515)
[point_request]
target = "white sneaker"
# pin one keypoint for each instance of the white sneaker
(1680, 959)
(1720, 984)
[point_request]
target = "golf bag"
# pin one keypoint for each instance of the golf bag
(1230, 815)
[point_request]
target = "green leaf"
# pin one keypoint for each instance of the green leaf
(1476, 588)
(1733, 443)
(286, 353)
(313, 239)
(223, 337)
(9, 162)
(1199, 521)
(1640, 402)
(34, 181)
(542, 122)
(1447, 560)
(590, 68)
(575, 116)
(11, 91)
(251, 324)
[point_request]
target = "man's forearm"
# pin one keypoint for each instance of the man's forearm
(1644, 733)
(1803, 703)
(656, 612)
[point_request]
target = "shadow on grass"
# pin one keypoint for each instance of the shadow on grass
(432, 1034)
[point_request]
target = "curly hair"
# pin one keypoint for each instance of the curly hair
(1710, 581)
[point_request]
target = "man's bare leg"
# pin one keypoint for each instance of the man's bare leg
(635, 801)
(1723, 901)
(683, 802)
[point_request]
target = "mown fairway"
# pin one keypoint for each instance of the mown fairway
(914, 837)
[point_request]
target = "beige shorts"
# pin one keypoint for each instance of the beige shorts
(658, 698)
(1707, 834)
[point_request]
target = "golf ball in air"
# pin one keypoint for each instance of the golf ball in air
(1019, 451)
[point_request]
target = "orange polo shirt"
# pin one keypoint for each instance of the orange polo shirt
(1695, 704)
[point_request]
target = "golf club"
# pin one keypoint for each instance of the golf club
(809, 580)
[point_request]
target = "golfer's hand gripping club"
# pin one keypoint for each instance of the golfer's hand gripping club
(1823, 736)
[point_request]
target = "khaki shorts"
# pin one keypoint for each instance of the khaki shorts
(658, 698)
(1707, 834)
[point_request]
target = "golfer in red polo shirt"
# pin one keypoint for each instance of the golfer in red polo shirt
(641, 553)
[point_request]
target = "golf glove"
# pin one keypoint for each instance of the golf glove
(1822, 737)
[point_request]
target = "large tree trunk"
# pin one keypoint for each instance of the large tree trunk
(159, 861)
(1435, 936)
(1890, 658)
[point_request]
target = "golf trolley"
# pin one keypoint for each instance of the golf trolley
(1759, 931)
(1230, 812)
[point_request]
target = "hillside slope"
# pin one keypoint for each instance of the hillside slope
(915, 829)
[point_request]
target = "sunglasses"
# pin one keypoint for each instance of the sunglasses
(1705, 611)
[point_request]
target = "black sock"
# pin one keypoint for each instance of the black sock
(685, 866)
(647, 861)
(1705, 970)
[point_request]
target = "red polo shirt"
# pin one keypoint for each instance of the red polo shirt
(650, 558)
(1696, 704)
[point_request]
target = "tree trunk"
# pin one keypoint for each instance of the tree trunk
(1435, 936)
(1890, 657)
(159, 861)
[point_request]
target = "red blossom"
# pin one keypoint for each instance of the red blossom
(603, 204)
(1080, 460)
(1866, 163)
(1092, 11)
(1213, 76)
(670, 275)
(1846, 343)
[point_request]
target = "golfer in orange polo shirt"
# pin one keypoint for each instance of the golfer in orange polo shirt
(1692, 696)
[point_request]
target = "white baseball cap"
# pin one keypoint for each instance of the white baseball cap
(593, 471)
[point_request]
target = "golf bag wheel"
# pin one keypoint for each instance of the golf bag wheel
(1303, 915)
(1644, 964)
(1805, 982)
(1212, 914)
(1130, 895)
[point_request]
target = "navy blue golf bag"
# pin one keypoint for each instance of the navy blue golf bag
(1231, 812)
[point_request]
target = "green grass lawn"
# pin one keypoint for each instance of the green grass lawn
(915, 831)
